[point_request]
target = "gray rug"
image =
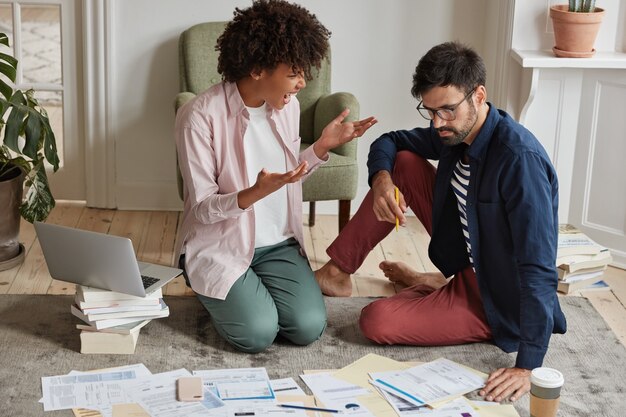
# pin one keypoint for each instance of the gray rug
(38, 338)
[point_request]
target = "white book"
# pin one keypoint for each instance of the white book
(116, 308)
(573, 263)
(563, 274)
(569, 287)
(95, 294)
(111, 343)
(103, 324)
(581, 277)
(576, 244)
(122, 329)
(114, 303)
(125, 314)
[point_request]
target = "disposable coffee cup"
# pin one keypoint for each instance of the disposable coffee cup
(545, 392)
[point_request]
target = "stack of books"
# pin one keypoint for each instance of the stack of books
(580, 261)
(112, 319)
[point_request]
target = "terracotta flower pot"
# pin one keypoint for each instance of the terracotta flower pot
(575, 32)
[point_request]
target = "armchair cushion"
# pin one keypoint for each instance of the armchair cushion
(182, 98)
(327, 108)
(197, 57)
(335, 180)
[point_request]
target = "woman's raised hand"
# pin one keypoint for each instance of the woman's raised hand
(338, 132)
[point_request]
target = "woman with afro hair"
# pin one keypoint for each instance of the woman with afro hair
(241, 239)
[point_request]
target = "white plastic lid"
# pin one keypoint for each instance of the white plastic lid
(546, 377)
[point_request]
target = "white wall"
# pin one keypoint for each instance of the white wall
(375, 46)
(575, 108)
(533, 26)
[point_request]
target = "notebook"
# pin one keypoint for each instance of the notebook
(99, 260)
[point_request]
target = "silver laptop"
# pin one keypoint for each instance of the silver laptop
(99, 260)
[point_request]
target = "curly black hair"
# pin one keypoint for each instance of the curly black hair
(269, 33)
(450, 63)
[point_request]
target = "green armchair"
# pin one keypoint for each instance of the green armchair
(335, 180)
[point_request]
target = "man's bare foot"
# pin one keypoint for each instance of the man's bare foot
(399, 272)
(333, 281)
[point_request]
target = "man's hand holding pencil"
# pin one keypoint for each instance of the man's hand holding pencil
(389, 204)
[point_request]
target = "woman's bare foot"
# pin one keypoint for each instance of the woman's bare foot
(333, 281)
(399, 272)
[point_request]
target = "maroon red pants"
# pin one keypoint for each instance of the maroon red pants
(418, 315)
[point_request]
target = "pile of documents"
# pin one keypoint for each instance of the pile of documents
(381, 387)
(112, 319)
(580, 262)
(372, 386)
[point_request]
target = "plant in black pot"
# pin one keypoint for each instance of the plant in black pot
(27, 142)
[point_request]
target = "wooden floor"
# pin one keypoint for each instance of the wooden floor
(154, 235)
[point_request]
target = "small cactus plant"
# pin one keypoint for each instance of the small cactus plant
(582, 6)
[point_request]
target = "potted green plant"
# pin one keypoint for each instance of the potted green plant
(576, 26)
(28, 141)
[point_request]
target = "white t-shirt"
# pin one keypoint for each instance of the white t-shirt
(262, 149)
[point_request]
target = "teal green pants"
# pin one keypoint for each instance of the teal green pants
(278, 294)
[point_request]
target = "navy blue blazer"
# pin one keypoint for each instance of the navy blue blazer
(512, 206)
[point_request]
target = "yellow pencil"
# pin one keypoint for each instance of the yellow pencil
(398, 203)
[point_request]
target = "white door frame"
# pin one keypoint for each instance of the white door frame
(68, 182)
(98, 81)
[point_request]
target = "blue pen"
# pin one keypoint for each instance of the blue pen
(301, 407)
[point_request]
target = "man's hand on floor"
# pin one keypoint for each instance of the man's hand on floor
(506, 382)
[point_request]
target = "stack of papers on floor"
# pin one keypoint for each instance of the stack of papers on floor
(381, 387)
(113, 320)
(580, 261)
(371, 386)
(227, 392)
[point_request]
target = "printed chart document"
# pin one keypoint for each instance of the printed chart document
(357, 372)
(238, 384)
(264, 410)
(332, 391)
(157, 395)
(402, 407)
(86, 390)
(337, 394)
(429, 383)
(115, 410)
(286, 386)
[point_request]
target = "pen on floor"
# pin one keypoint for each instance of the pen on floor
(302, 407)
(398, 203)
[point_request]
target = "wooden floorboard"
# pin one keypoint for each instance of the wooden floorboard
(153, 234)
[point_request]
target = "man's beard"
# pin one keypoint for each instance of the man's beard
(459, 135)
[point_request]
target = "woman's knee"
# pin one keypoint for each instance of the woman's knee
(253, 336)
(305, 327)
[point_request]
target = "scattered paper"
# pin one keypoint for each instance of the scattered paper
(157, 395)
(286, 386)
(238, 384)
(371, 386)
(428, 383)
(333, 392)
(86, 390)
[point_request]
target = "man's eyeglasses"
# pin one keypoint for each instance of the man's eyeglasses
(447, 113)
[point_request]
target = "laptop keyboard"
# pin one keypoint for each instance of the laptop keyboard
(147, 281)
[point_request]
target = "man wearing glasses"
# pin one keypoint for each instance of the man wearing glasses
(491, 210)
